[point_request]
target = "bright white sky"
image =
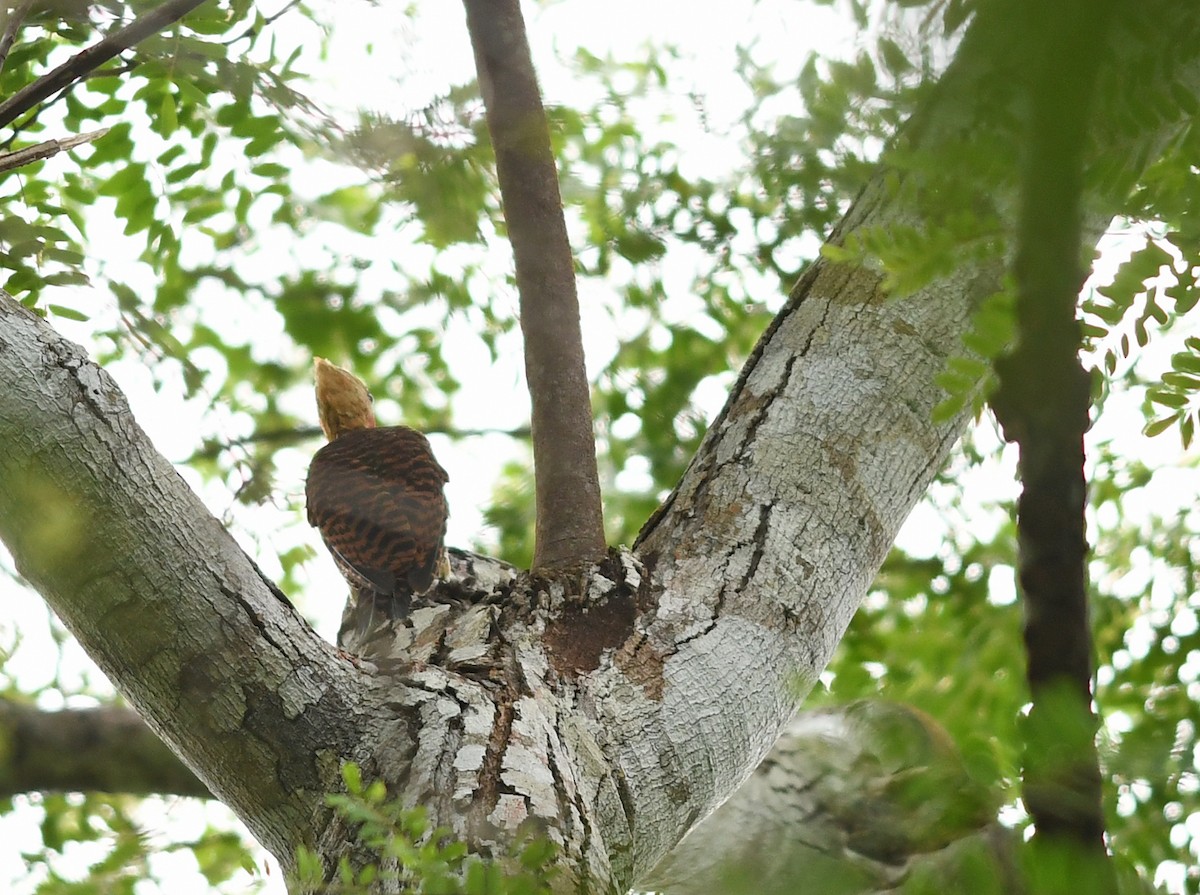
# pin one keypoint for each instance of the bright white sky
(381, 61)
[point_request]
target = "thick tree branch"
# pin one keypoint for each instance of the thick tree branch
(1043, 403)
(97, 54)
(570, 525)
(776, 530)
(178, 617)
(107, 749)
(852, 799)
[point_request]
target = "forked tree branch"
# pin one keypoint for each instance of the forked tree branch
(570, 524)
(79, 65)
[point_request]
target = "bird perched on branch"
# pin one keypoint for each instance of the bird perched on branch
(375, 494)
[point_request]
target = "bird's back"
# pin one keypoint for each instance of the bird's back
(376, 497)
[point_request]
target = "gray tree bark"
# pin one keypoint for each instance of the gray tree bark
(856, 799)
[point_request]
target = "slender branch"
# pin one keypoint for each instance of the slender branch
(106, 749)
(1043, 403)
(97, 54)
(570, 525)
(292, 435)
(31, 154)
(11, 26)
(254, 29)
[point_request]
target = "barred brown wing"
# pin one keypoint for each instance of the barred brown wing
(376, 497)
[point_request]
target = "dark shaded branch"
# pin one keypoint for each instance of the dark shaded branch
(570, 527)
(107, 749)
(1043, 403)
(97, 54)
(11, 26)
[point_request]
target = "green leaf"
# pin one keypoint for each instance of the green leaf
(1166, 398)
(127, 180)
(68, 313)
(1160, 425)
(1186, 362)
(894, 58)
(168, 119)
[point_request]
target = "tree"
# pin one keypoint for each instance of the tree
(614, 702)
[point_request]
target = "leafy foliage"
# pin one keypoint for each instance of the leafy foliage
(405, 850)
(226, 229)
(97, 843)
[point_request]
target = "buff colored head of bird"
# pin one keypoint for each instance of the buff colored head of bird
(343, 402)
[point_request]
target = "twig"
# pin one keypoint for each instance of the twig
(213, 449)
(258, 27)
(97, 54)
(570, 525)
(19, 129)
(11, 27)
(30, 154)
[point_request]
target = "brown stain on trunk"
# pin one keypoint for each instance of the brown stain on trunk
(491, 784)
(577, 638)
(580, 634)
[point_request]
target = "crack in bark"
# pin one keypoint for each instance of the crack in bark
(714, 618)
(565, 806)
(708, 451)
(762, 410)
(759, 539)
(625, 794)
(756, 541)
(73, 363)
(570, 809)
(585, 844)
(251, 614)
(491, 769)
(443, 776)
(68, 358)
(796, 297)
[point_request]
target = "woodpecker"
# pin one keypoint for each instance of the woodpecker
(375, 493)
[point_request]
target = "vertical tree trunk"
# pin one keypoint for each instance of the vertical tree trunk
(570, 525)
(1043, 403)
